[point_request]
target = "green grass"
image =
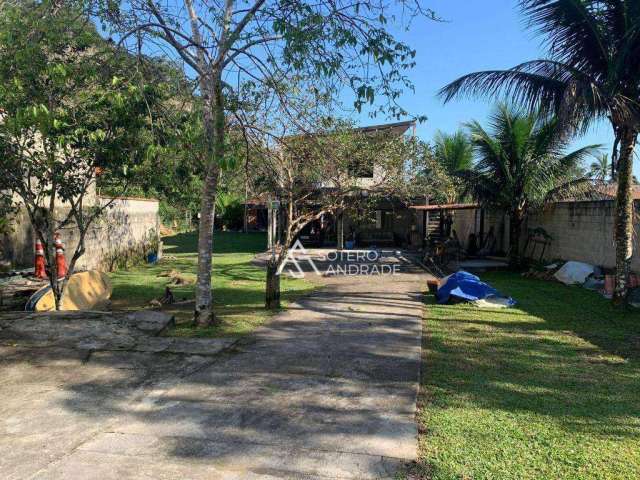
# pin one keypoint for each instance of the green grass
(548, 390)
(238, 286)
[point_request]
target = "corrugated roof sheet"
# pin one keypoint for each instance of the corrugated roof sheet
(446, 206)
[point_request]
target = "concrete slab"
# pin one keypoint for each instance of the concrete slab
(145, 458)
(326, 390)
(187, 346)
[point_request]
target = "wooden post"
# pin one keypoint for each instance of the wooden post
(425, 228)
(272, 300)
(272, 293)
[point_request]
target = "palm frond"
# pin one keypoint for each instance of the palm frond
(572, 30)
(577, 189)
(488, 151)
(453, 151)
(519, 87)
(522, 161)
(580, 155)
(482, 187)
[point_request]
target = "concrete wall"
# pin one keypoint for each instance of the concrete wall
(125, 231)
(467, 221)
(581, 231)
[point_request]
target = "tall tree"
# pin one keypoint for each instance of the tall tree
(521, 164)
(592, 72)
(453, 151)
(337, 169)
(232, 45)
(67, 111)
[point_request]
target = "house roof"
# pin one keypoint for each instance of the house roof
(398, 127)
(609, 191)
(259, 199)
(446, 206)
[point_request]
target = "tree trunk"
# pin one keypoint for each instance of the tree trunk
(214, 131)
(515, 227)
(340, 230)
(272, 294)
(624, 214)
(245, 224)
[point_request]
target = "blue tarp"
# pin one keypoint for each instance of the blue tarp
(466, 286)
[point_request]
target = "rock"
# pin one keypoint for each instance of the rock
(150, 321)
(200, 346)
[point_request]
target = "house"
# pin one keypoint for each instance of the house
(388, 223)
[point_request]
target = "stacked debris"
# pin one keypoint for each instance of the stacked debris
(16, 287)
(546, 272)
(585, 275)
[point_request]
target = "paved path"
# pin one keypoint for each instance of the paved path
(326, 390)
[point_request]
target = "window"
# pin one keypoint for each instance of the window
(361, 169)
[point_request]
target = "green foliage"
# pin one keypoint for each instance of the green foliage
(339, 44)
(430, 178)
(601, 168)
(522, 162)
(521, 165)
(230, 210)
(174, 217)
(71, 110)
(173, 165)
(453, 151)
(591, 71)
(6, 210)
(68, 109)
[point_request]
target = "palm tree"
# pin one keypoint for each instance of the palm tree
(600, 169)
(592, 72)
(521, 164)
(453, 151)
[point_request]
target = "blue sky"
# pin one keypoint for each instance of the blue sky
(477, 35)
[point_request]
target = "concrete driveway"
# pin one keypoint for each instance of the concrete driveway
(326, 390)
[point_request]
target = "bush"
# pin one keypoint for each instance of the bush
(179, 219)
(229, 211)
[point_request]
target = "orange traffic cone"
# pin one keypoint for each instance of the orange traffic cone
(39, 266)
(61, 262)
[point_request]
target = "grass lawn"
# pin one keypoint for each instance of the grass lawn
(547, 390)
(238, 285)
